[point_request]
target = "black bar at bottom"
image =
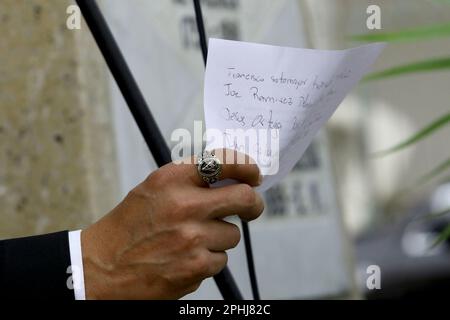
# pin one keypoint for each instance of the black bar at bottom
(140, 111)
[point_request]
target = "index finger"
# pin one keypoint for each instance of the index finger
(238, 166)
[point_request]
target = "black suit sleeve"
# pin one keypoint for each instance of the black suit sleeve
(35, 267)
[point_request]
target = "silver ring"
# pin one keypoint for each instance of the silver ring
(209, 167)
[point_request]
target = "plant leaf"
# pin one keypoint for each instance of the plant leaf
(444, 1)
(435, 215)
(422, 134)
(421, 66)
(445, 180)
(444, 235)
(436, 171)
(406, 35)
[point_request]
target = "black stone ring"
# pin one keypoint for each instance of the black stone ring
(209, 167)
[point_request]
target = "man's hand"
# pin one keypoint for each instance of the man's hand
(168, 235)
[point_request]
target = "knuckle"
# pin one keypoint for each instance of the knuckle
(184, 207)
(192, 205)
(236, 236)
(157, 177)
(169, 280)
(138, 192)
(175, 206)
(202, 264)
(190, 236)
(247, 194)
(162, 176)
(193, 288)
(224, 261)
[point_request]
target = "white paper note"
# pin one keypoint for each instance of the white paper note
(291, 92)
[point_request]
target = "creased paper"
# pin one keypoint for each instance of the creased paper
(281, 95)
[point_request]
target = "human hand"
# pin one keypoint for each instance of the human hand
(168, 234)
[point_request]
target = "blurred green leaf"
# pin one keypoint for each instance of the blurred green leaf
(437, 214)
(436, 171)
(422, 134)
(421, 66)
(406, 35)
(409, 189)
(445, 180)
(444, 235)
(444, 1)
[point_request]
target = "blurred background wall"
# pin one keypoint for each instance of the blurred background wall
(57, 160)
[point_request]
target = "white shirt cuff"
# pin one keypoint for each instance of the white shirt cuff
(76, 259)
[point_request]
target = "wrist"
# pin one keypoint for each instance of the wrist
(95, 270)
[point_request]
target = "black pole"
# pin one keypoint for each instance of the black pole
(245, 227)
(250, 261)
(140, 111)
(201, 29)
